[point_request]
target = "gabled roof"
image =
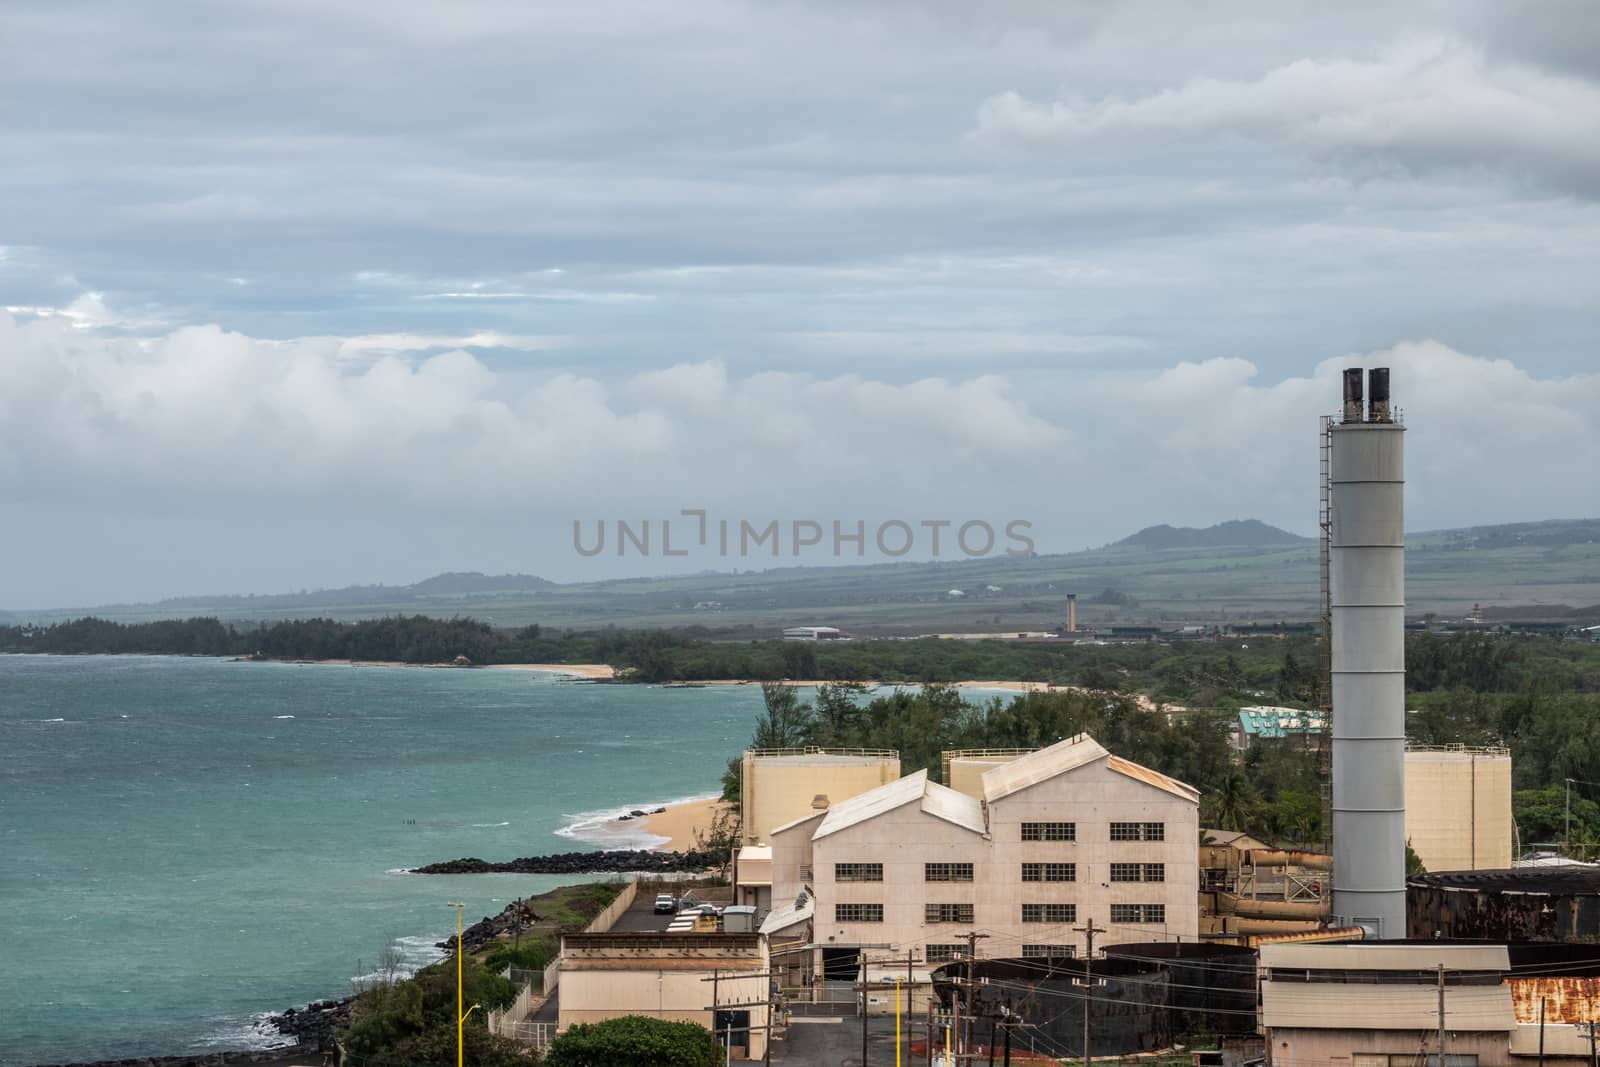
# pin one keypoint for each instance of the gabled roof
(789, 915)
(1041, 765)
(939, 801)
(1181, 790)
(819, 813)
(1069, 755)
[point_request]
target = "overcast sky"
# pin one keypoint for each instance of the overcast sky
(302, 294)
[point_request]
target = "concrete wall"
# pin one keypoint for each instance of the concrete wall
(1458, 809)
(791, 859)
(966, 773)
(1345, 1048)
(775, 790)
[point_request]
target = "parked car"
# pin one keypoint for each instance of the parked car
(701, 909)
(666, 904)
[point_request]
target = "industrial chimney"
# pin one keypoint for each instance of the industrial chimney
(1367, 576)
(1072, 613)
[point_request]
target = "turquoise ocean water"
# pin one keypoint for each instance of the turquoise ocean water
(186, 844)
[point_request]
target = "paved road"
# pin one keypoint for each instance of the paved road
(827, 1042)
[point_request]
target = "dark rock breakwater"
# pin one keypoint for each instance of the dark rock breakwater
(582, 863)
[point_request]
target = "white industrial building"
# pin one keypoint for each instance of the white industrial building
(1059, 838)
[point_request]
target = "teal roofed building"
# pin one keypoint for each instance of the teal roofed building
(1258, 723)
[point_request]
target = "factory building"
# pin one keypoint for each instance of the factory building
(813, 633)
(1060, 837)
(669, 976)
(778, 786)
(1390, 1005)
(1458, 807)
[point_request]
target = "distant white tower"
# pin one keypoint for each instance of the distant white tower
(1368, 587)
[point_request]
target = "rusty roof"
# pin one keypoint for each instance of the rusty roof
(1550, 881)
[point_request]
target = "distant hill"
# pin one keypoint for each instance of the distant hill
(1241, 571)
(1235, 533)
(457, 583)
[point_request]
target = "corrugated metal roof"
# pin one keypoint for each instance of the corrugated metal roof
(954, 806)
(1359, 1006)
(1039, 766)
(1155, 778)
(873, 802)
(937, 800)
(789, 915)
(1381, 957)
(797, 822)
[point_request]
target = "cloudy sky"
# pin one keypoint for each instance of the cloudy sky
(304, 294)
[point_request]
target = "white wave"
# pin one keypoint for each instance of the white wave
(283, 716)
(601, 827)
(42, 720)
(489, 825)
(255, 1034)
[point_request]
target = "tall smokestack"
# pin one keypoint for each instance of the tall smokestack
(1352, 411)
(1072, 613)
(1367, 558)
(1378, 395)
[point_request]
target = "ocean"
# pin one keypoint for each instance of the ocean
(189, 844)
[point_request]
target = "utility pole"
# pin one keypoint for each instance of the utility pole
(1566, 822)
(1541, 1033)
(1088, 930)
(966, 988)
(864, 1015)
(1594, 1057)
(1441, 1015)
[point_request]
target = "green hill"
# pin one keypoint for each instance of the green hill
(1543, 571)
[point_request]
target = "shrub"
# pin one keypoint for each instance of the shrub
(635, 1041)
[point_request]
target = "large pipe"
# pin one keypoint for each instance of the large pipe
(1367, 550)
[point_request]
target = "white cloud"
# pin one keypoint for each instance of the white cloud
(201, 409)
(1423, 105)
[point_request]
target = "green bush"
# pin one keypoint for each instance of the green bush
(533, 954)
(635, 1041)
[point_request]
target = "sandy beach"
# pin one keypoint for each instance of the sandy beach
(678, 823)
(598, 671)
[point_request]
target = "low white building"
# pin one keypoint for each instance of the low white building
(1060, 838)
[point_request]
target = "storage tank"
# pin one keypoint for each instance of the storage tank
(1367, 600)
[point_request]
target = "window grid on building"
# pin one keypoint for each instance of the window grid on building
(1049, 831)
(858, 913)
(1049, 913)
(947, 913)
(1034, 952)
(947, 872)
(1138, 831)
(1049, 872)
(945, 953)
(1138, 872)
(858, 872)
(1138, 913)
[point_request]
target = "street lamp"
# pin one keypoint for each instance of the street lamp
(461, 1017)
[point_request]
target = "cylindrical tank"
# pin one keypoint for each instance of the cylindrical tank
(1367, 557)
